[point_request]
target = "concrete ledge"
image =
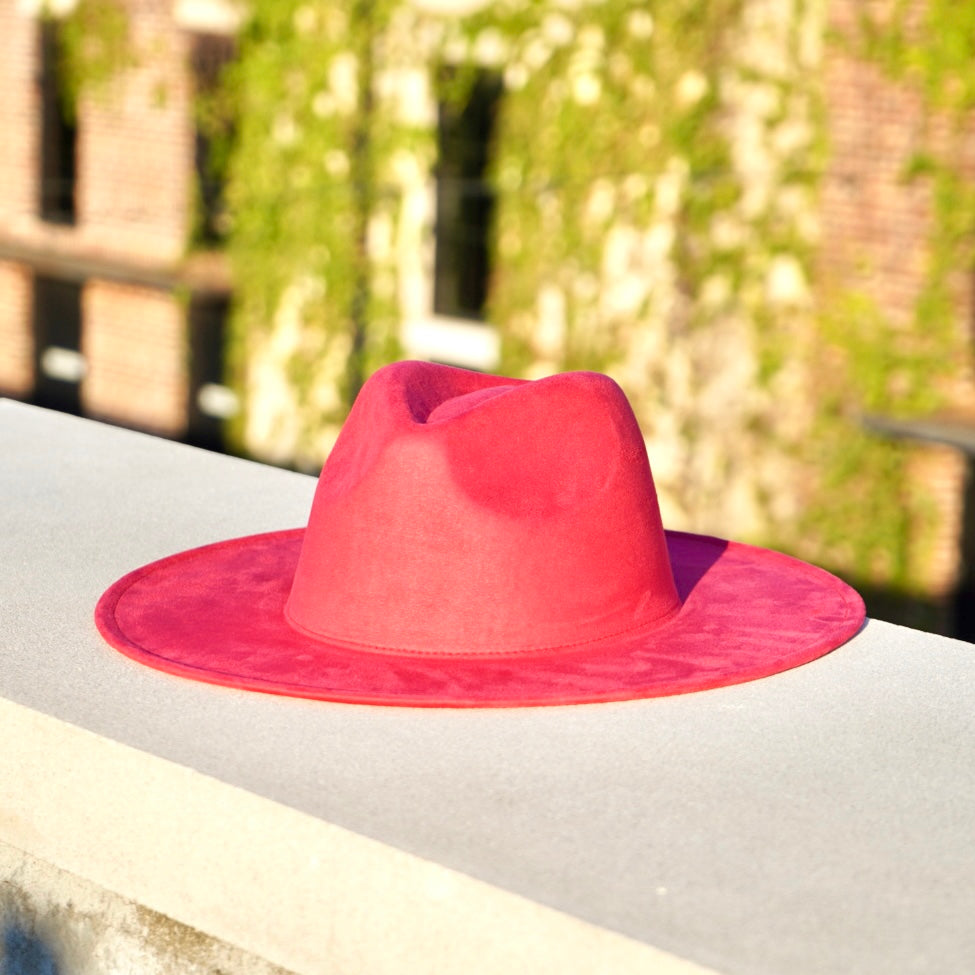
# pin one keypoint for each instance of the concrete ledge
(55, 923)
(270, 882)
(815, 822)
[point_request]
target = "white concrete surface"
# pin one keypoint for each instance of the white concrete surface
(819, 821)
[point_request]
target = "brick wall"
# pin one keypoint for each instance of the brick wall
(941, 471)
(135, 153)
(134, 194)
(16, 346)
(874, 225)
(18, 159)
(135, 143)
(875, 230)
(134, 341)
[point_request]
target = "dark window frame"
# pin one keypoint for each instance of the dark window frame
(58, 154)
(207, 319)
(465, 199)
(209, 55)
(57, 325)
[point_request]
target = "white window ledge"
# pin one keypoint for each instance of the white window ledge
(454, 341)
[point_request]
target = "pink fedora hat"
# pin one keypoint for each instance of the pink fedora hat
(477, 541)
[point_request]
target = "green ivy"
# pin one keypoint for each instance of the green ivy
(96, 45)
(558, 139)
(867, 515)
(304, 182)
(621, 98)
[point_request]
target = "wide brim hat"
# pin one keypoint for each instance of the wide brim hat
(477, 541)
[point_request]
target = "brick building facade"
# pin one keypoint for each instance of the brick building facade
(95, 215)
(102, 312)
(876, 229)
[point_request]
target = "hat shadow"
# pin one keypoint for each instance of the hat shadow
(691, 565)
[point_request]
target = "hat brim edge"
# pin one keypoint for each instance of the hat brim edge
(824, 614)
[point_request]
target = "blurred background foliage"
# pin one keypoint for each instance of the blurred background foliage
(655, 171)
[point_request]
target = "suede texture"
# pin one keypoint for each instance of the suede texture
(478, 541)
(492, 519)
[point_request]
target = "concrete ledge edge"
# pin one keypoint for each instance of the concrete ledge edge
(290, 888)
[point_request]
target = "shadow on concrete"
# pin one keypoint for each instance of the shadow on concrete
(24, 953)
(952, 616)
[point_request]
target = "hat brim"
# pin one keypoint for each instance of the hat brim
(216, 614)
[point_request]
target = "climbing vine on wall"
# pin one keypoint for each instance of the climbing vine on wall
(653, 165)
(930, 47)
(95, 45)
(311, 193)
(655, 168)
(870, 515)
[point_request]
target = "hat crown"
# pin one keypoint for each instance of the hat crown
(466, 514)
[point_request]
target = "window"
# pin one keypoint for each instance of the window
(59, 134)
(211, 403)
(465, 201)
(59, 366)
(209, 55)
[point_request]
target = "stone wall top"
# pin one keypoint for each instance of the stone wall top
(817, 821)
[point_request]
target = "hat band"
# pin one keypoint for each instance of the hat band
(642, 626)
